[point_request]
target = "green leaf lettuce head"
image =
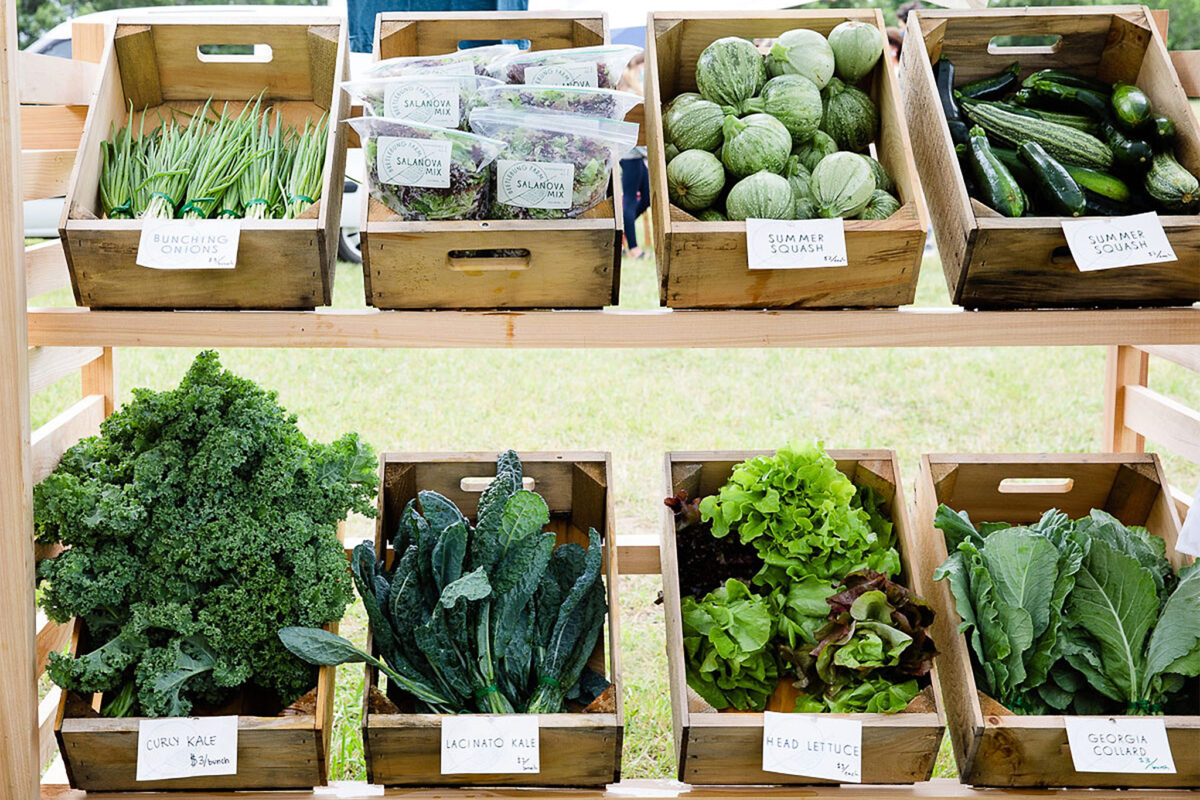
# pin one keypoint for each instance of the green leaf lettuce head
(727, 644)
(197, 524)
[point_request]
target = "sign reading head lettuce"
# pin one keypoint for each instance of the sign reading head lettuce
(534, 184)
(414, 162)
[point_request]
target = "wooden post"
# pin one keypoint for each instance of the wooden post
(88, 40)
(18, 653)
(1126, 366)
(100, 377)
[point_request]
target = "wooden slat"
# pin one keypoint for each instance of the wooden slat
(1184, 356)
(638, 554)
(55, 81)
(55, 437)
(613, 328)
(49, 364)
(45, 268)
(1125, 366)
(1187, 64)
(46, 173)
(51, 127)
(1169, 424)
(1182, 501)
(99, 376)
(47, 710)
(52, 637)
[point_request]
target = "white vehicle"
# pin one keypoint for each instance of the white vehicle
(41, 216)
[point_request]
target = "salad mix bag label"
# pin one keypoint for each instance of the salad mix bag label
(402, 161)
(1111, 242)
(432, 102)
(812, 746)
(795, 244)
(570, 74)
(1136, 745)
(186, 747)
(497, 744)
(534, 184)
(188, 243)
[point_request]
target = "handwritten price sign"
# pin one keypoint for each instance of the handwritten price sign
(795, 244)
(1136, 745)
(1112, 242)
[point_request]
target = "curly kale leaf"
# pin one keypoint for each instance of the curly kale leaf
(199, 522)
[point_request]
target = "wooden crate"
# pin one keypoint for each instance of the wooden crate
(569, 263)
(998, 748)
(577, 749)
(156, 64)
(285, 751)
(992, 261)
(726, 748)
(703, 264)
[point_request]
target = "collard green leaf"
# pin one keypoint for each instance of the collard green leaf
(1175, 644)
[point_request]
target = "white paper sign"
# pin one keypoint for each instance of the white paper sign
(812, 746)
(496, 744)
(413, 162)
(188, 243)
(795, 244)
(534, 184)
(431, 102)
(185, 747)
(1135, 745)
(1189, 537)
(574, 74)
(1111, 242)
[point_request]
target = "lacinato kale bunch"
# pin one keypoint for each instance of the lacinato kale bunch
(490, 617)
(198, 523)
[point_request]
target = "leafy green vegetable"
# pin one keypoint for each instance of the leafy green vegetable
(725, 640)
(491, 617)
(197, 524)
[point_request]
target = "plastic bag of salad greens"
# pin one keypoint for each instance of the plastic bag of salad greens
(553, 165)
(598, 67)
(606, 103)
(426, 172)
(442, 100)
(479, 60)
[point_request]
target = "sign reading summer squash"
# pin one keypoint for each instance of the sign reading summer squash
(414, 162)
(186, 747)
(1111, 242)
(795, 244)
(1136, 745)
(188, 243)
(812, 746)
(490, 744)
(535, 184)
(430, 102)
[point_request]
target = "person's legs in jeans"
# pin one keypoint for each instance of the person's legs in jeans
(633, 174)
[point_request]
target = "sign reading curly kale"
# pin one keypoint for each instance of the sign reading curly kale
(414, 162)
(534, 184)
(434, 101)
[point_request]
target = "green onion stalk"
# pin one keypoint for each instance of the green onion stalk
(117, 173)
(221, 160)
(169, 162)
(303, 185)
(258, 190)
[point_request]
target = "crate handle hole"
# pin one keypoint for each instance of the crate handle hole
(1036, 485)
(235, 53)
(1062, 255)
(467, 44)
(1024, 45)
(479, 484)
(495, 259)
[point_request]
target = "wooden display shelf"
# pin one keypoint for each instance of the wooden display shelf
(906, 327)
(938, 789)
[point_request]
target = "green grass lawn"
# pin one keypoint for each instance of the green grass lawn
(638, 404)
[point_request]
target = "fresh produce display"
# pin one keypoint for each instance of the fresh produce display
(442, 100)
(786, 575)
(599, 67)
(425, 172)
(1058, 143)
(695, 179)
(213, 164)
(198, 523)
(489, 618)
(606, 103)
(777, 115)
(1074, 616)
(479, 60)
(842, 185)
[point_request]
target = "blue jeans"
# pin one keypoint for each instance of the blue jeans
(635, 190)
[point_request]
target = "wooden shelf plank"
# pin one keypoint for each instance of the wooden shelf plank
(613, 328)
(942, 789)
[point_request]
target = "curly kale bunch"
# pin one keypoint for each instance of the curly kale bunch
(198, 523)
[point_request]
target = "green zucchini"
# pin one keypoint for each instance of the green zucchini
(993, 86)
(1017, 109)
(997, 185)
(1080, 122)
(1131, 106)
(1067, 79)
(1105, 206)
(1087, 101)
(1172, 186)
(1054, 184)
(1129, 153)
(1101, 183)
(1163, 132)
(1016, 166)
(1063, 143)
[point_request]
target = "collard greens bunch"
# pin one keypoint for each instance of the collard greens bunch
(197, 524)
(1082, 616)
(820, 554)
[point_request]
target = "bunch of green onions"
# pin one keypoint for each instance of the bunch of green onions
(213, 164)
